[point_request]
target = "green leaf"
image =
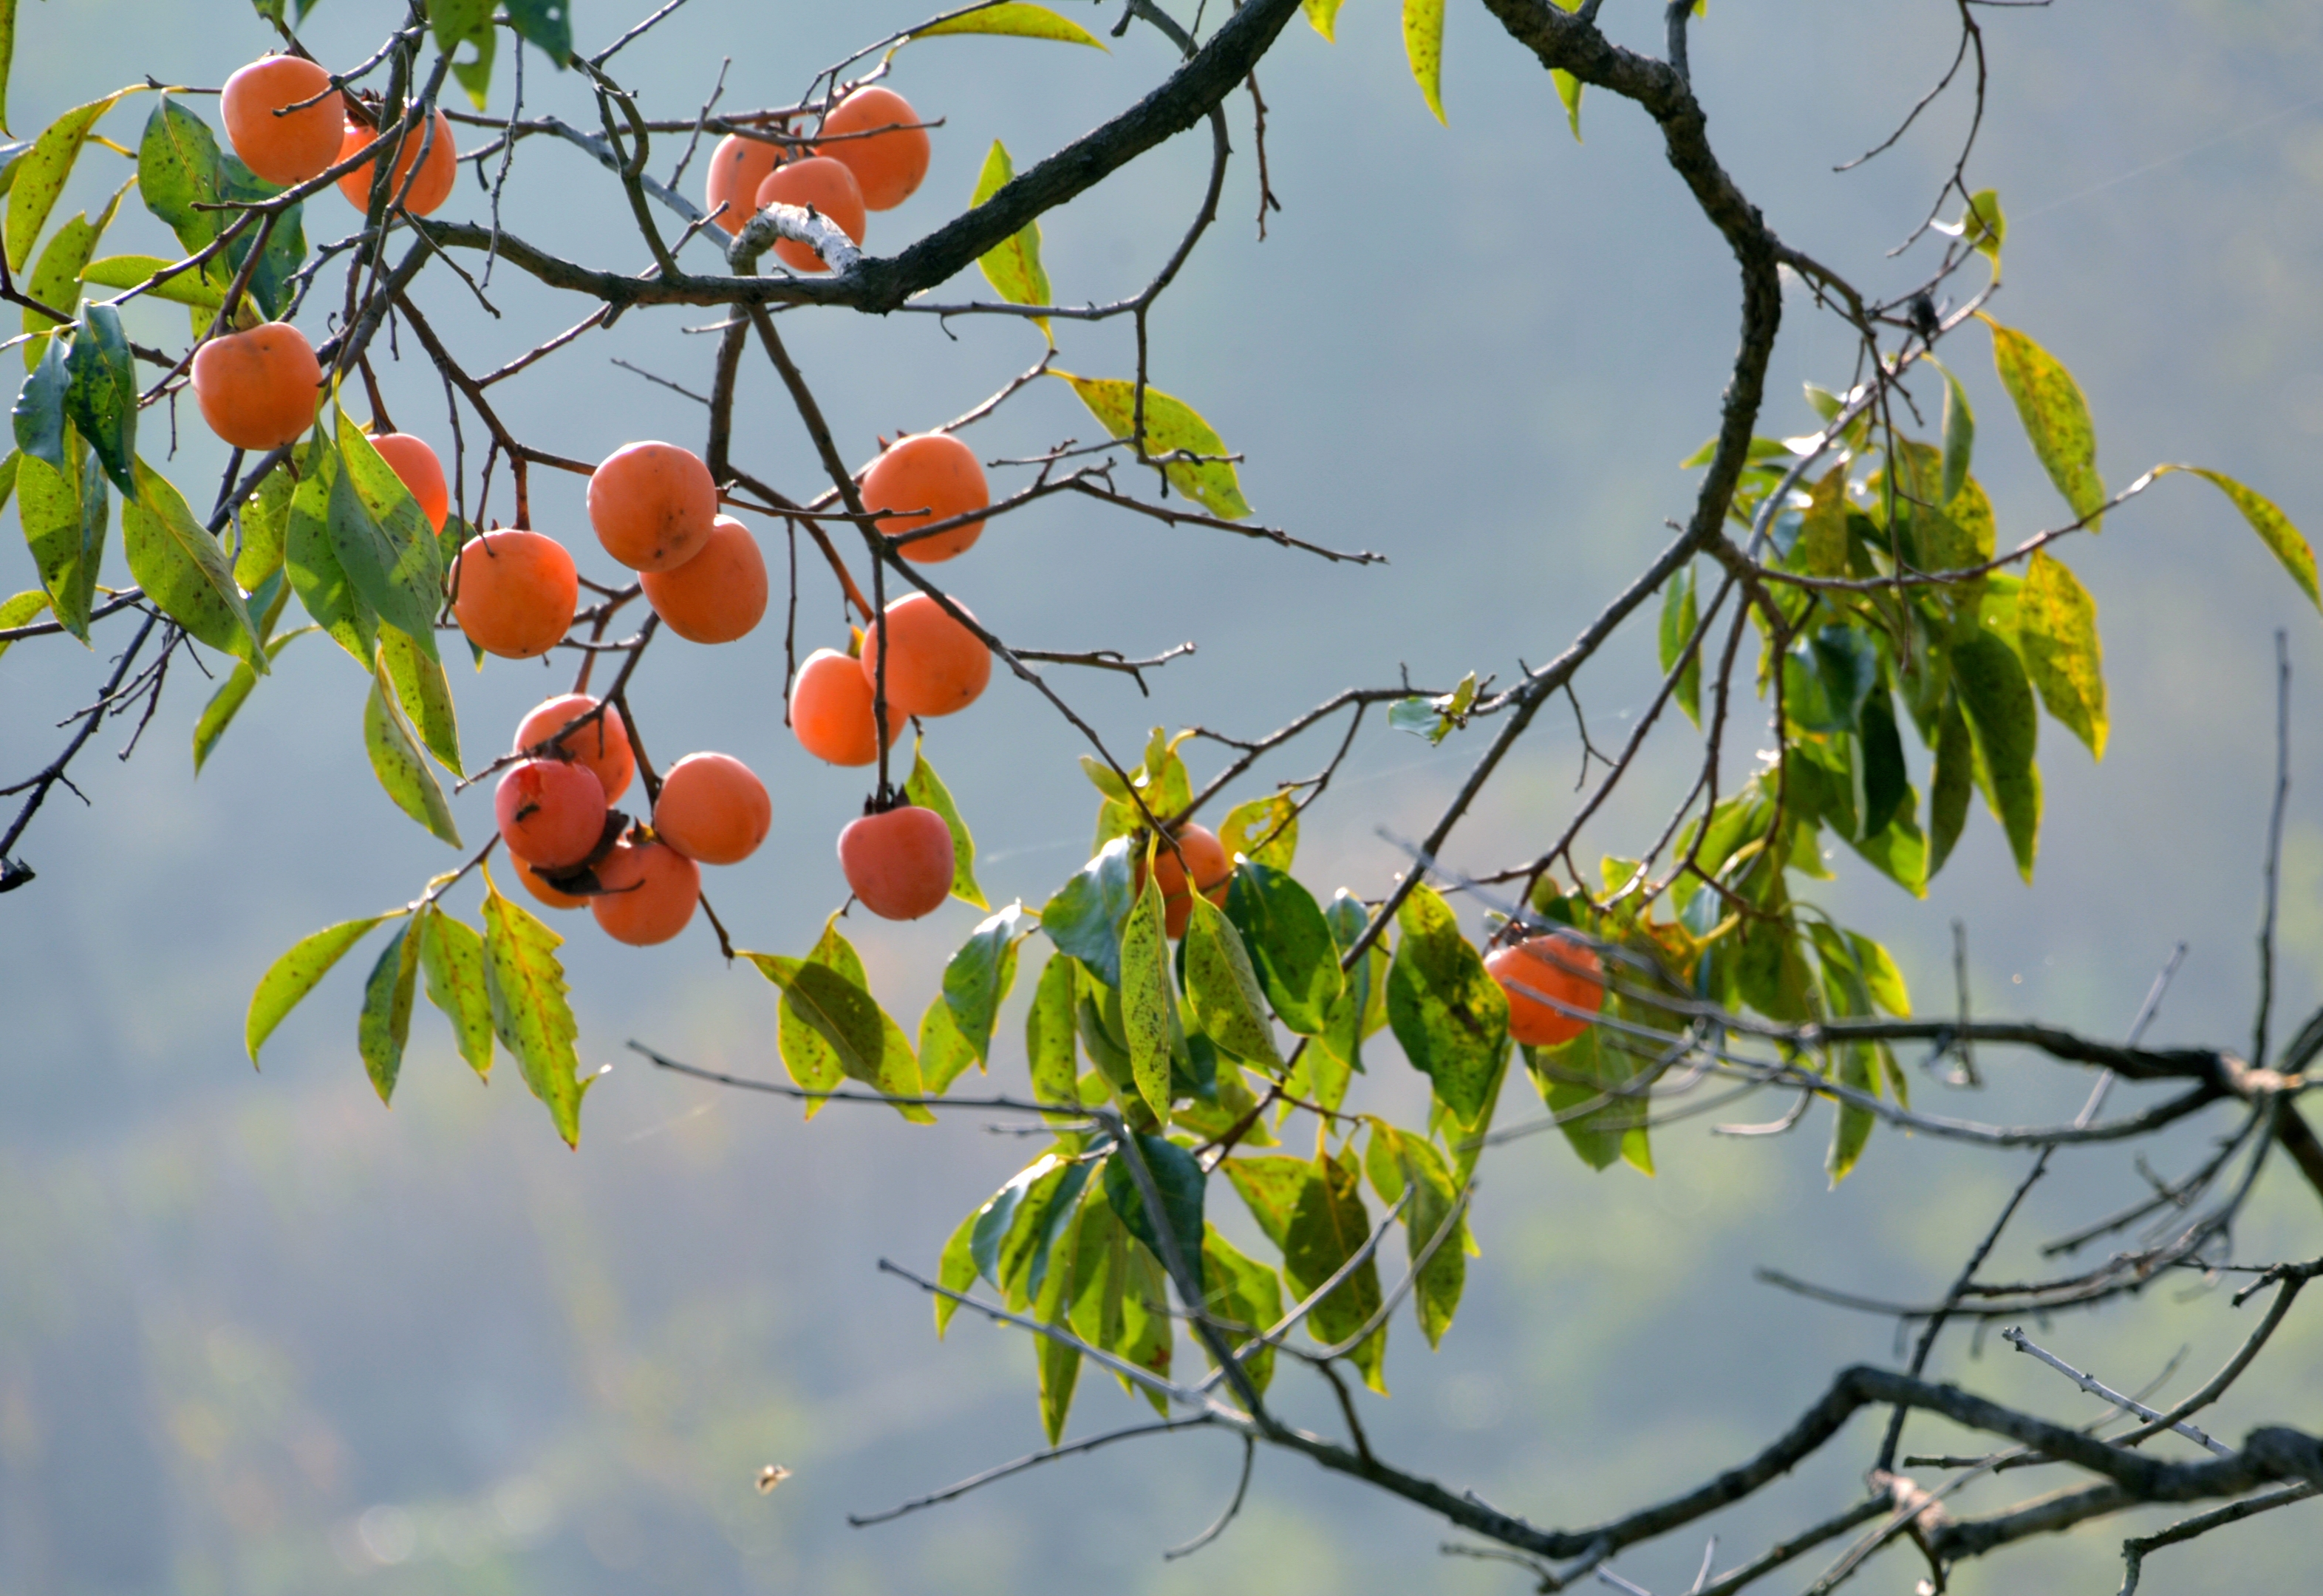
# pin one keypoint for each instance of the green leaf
(1681, 619)
(292, 976)
(384, 544)
(1171, 427)
(183, 570)
(997, 1223)
(233, 692)
(531, 1015)
(1241, 1291)
(1016, 20)
(1148, 1012)
(1954, 780)
(1290, 944)
(40, 178)
(1049, 1034)
(1417, 1165)
(1423, 46)
(1960, 437)
(265, 523)
(461, 26)
(944, 1053)
(180, 170)
(956, 1269)
(2057, 632)
(56, 281)
(8, 54)
(1085, 917)
(1574, 1074)
(1264, 830)
(1327, 1227)
(22, 610)
(1222, 988)
(401, 769)
(828, 1020)
(453, 955)
(101, 392)
(65, 531)
(1998, 699)
(1852, 1129)
(925, 788)
(976, 978)
(1450, 1016)
(1013, 266)
(383, 1025)
(1983, 224)
(2056, 418)
(1323, 14)
(423, 693)
(308, 555)
(286, 244)
(1178, 1177)
(2274, 527)
(38, 415)
(1828, 676)
(129, 271)
(1271, 1187)
(546, 24)
(1056, 1366)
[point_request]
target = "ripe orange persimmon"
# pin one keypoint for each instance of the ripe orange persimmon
(601, 746)
(425, 192)
(826, 185)
(551, 814)
(889, 164)
(652, 505)
(1213, 874)
(717, 595)
(713, 808)
(899, 863)
(259, 390)
(649, 893)
(737, 167)
(937, 665)
(933, 476)
(831, 710)
(514, 592)
(289, 147)
(1559, 966)
(541, 890)
(416, 465)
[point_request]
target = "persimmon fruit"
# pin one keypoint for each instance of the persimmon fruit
(259, 390)
(717, 595)
(542, 891)
(737, 167)
(648, 893)
(601, 746)
(416, 465)
(937, 665)
(888, 164)
(831, 710)
(931, 477)
(830, 187)
(514, 592)
(551, 812)
(713, 808)
(652, 505)
(898, 863)
(1559, 966)
(284, 147)
(1213, 872)
(425, 192)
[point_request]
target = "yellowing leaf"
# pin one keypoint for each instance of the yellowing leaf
(1016, 20)
(531, 1015)
(1013, 266)
(396, 760)
(1423, 46)
(2057, 631)
(1172, 428)
(294, 975)
(129, 271)
(1146, 1005)
(2056, 417)
(40, 178)
(2274, 527)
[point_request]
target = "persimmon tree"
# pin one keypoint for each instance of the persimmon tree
(1201, 1009)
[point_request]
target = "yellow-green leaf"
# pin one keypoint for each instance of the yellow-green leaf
(2274, 527)
(183, 570)
(401, 769)
(1222, 987)
(1983, 226)
(1146, 1005)
(228, 701)
(1016, 20)
(130, 271)
(2056, 417)
(1172, 428)
(453, 955)
(20, 611)
(56, 281)
(2057, 632)
(383, 1023)
(531, 1013)
(423, 692)
(1264, 829)
(925, 788)
(1013, 266)
(1423, 46)
(294, 975)
(40, 177)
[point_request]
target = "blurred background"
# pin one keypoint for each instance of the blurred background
(259, 1334)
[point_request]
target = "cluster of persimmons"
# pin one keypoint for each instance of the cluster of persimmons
(654, 507)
